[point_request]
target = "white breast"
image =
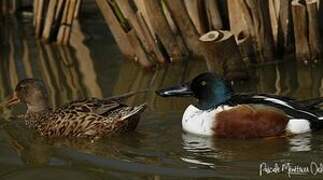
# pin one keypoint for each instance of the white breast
(200, 122)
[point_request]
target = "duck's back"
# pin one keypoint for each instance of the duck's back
(90, 118)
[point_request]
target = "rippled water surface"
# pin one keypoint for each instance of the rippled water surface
(158, 149)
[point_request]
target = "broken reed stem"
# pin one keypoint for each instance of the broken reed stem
(53, 19)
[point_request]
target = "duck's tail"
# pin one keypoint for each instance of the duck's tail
(129, 118)
(312, 103)
(134, 111)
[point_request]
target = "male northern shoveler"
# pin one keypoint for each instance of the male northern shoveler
(89, 118)
(222, 113)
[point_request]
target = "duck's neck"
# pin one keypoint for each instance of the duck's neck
(37, 107)
(214, 101)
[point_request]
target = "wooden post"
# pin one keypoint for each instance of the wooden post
(300, 30)
(118, 33)
(39, 17)
(141, 30)
(126, 39)
(256, 14)
(62, 27)
(314, 37)
(213, 14)
(49, 19)
(69, 22)
(78, 8)
(223, 56)
(60, 10)
(35, 11)
(285, 36)
(197, 13)
(185, 26)
(246, 48)
(236, 19)
(163, 31)
(274, 16)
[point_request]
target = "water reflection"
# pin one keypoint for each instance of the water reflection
(300, 143)
(68, 75)
(204, 151)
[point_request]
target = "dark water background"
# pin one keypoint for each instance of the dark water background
(158, 149)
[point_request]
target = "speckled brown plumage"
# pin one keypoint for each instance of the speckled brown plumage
(86, 118)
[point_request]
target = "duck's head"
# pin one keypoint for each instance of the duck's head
(31, 92)
(210, 90)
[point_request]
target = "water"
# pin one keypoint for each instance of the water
(158, 149)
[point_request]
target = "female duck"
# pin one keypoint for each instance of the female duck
(222, 113)
(87, 118)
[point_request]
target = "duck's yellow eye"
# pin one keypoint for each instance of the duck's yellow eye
(203, 83)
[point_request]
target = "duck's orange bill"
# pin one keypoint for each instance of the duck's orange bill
(13, 100)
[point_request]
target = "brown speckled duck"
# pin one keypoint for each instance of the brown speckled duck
(87, 118)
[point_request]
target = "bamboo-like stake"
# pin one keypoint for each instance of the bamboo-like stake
(246, 48)
(185, 26)
(169, 18)
(314, 37)
(300, 31)
(39, 17)
(141, 55)
(213, 14)
(122, 37)
(35, 10)
(119, 35)
(285, 36)
(69, 22)
(78, 8)
(257, 17)
(236, 19)
(162, 29)
(49, 19)
(156, 52)
(59, 9)
(197, 13)
(61, 31)
(274, 16)
(143, 34)
(140, 4)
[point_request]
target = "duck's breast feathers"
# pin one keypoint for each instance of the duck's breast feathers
(200, 122)
(246, 121)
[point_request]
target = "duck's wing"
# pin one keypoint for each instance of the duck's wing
(93, 105)
(79, 123)
(290, 106)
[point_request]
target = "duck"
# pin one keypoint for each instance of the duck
(220, 112)
(83, 118)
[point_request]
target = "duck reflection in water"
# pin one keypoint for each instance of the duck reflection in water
(206, 151)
